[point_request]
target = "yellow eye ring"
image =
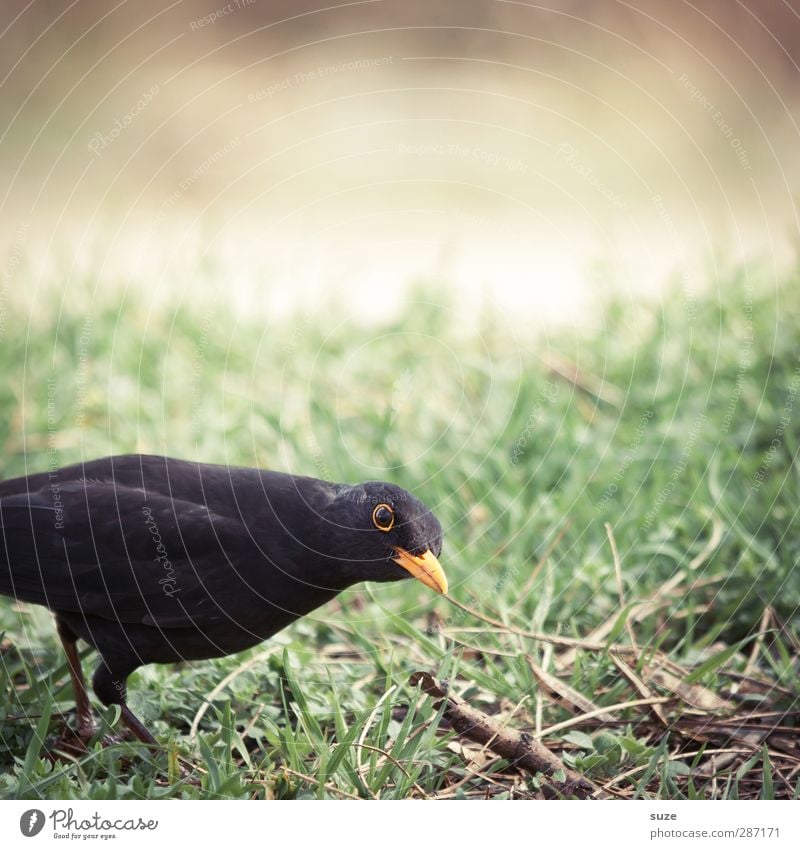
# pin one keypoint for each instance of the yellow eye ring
(381, 522)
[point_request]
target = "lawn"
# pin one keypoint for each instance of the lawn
(621, 538)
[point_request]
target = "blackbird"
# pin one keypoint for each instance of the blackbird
(155, 560)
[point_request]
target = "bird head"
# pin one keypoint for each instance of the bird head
(387, 534)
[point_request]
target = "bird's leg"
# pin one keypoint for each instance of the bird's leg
(85, 726)
(111, 689)
(135, 725)
(187, 769)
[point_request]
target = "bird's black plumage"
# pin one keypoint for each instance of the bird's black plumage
(151, 559)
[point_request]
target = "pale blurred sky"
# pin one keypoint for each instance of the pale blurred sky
(531, 155)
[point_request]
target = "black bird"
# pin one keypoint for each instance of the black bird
(154, 560)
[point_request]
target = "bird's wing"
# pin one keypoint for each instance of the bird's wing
(120, 553)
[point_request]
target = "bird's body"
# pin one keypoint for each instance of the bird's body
(152, 560)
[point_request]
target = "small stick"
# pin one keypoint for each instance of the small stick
(556, 640)
(641, 688)
(519, 748)
(560, 691)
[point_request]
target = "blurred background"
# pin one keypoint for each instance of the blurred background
(531, 155)
(535, 263)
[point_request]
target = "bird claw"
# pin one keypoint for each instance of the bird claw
(75, 742)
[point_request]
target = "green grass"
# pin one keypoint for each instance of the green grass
(677, 425)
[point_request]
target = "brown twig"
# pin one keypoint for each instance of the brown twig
(560, 691)
(517, 747)
(758, 643)
(641, 688)
(554, 639)
(597, 387)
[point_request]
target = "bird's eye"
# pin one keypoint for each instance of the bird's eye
(383, 517)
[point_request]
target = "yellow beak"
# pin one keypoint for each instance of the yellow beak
(424, 567)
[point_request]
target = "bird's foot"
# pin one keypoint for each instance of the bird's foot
(80, 738)
(74, 742)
